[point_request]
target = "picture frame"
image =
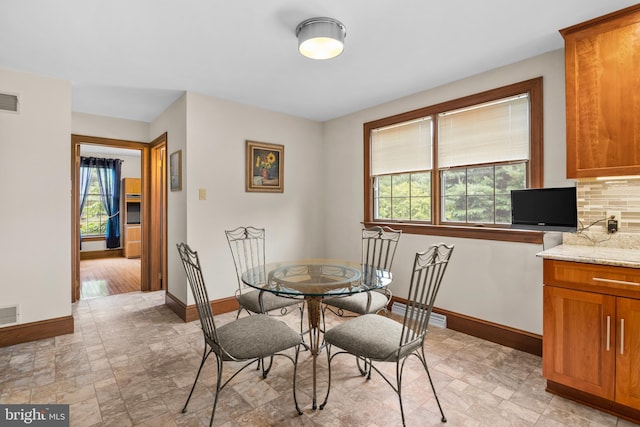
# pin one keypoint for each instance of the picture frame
(175, 171)
(264, 167)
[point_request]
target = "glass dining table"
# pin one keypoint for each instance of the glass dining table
(313, 280)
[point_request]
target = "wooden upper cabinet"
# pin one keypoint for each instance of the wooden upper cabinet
(602, 71)
(132, 186)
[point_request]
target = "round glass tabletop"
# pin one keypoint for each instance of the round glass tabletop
(317, 277)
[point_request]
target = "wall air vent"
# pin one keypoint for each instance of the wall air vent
(9, 315)
(8, 102)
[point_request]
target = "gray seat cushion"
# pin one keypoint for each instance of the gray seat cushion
(250, 301)
(372, 336)
(357, 303)
(256, 336)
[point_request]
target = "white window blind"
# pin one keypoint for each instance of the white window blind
(493, 132)
(404, 147)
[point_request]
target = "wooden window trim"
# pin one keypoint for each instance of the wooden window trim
(535, 171)
(93, 238)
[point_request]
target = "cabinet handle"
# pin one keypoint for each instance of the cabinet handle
(621, 336)
(619, 282)
(608, 333)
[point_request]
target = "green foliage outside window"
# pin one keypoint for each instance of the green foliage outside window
(481, 194)
(405, 196)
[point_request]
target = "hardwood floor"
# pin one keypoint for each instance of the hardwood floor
(109, 276)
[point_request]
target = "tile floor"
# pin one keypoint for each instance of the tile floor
(131, 362)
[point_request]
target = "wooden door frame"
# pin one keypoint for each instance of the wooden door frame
(158, 223)
(76, 140)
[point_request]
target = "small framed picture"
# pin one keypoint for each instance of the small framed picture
(265, 167)
(175, 171)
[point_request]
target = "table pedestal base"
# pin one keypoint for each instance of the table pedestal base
(313, 314)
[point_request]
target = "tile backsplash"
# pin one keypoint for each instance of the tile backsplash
(595, 199)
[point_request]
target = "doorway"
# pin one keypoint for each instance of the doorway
(155, 238)
(106, 270)
(158, 222)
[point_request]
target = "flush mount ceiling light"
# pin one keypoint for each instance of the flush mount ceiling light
(321, 38)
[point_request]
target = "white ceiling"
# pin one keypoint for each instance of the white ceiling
(132, 59)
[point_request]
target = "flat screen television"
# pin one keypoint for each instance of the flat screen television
(546, 209)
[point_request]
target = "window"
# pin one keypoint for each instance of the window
(93, 221)
(450, 167)
(401, 165)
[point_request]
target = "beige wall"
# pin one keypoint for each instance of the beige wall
(109, 127)
(496, 281)
(35, 164)
(214, 160)
(173, 121)
(319, 213)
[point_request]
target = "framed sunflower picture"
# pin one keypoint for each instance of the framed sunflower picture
(265, 167)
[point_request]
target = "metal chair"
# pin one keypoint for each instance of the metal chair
(376, 338)
(247, 250)
(378, 250)
(249, 339)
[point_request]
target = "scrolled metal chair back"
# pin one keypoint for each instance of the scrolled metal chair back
(428, 270)
(379, 246)
(247, 250)
(192, 268)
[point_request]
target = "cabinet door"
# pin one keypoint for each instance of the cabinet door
(628, 352)
(578, 341)
(133, 245)
(603, 96)
(132, 186)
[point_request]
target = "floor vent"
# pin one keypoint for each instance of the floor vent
(9, 315)
(8, 102)
(435, 319)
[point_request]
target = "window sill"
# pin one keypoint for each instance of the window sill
(93, 238)
(465, 232)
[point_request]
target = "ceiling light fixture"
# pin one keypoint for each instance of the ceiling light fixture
(321, 38)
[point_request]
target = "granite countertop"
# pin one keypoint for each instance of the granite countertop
(594, 255)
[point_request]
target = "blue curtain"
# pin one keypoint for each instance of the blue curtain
(108, 171)
(85, 180)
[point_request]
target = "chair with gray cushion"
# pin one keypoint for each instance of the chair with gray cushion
(247, 249)
(378, 250)
(375, 338)
(250, 339)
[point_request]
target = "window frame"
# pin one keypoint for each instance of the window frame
(99, 236)
(535, 176)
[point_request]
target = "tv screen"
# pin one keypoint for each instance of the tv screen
(546, 209)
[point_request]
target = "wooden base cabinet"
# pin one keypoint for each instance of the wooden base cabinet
(591, 334)
(628, 352)
(133, 241)
(576, 348)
